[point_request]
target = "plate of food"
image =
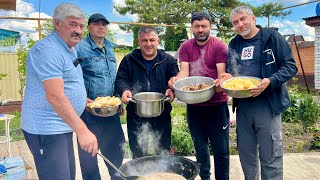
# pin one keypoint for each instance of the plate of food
(105, 106)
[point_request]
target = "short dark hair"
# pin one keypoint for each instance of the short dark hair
(147, 29)
(200, 16)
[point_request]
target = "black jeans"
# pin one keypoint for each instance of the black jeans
(53, 155)
(210, 123)
(109, 134)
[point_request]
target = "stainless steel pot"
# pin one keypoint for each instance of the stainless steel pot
(149, 104)
(194, 97)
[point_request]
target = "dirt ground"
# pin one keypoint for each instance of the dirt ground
(295, 139)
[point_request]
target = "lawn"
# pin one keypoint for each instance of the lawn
(296, 140)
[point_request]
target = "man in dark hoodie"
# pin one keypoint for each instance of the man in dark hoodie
(263, 53)
(147, 69)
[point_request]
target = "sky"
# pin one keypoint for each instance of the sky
(292, 24)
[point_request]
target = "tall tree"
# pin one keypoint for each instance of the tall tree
(271, 9)
(174, 37)
(177, 12)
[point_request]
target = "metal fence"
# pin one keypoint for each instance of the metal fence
(9, 85)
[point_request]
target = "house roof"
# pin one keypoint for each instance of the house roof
(4, 33)
(312, 21)
(8, 4)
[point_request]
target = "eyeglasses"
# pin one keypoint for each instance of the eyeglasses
(77, 61)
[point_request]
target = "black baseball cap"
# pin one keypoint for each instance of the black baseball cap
(96, 17)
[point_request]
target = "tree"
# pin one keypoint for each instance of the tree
(271, 9)
(177, 12)
(174, 37)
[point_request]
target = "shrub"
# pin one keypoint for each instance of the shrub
(290, 115)
(181, 140)
(308, 111)
(315, 143)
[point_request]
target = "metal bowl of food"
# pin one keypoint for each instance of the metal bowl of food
(194, 89)
(239, 87)
(105, 106)
(105, 111)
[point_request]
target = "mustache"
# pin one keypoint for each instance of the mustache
(75, 34)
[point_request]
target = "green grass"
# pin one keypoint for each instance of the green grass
(15, 128)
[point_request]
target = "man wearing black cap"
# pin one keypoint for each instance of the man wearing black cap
(99, 68)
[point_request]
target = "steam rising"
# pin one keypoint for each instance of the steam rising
(234, 68)
(199, 68)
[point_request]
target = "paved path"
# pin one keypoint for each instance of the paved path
(299, 166)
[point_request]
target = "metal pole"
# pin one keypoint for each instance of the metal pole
(304, 75)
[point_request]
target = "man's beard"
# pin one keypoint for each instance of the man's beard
(202, 38)
(245, 33)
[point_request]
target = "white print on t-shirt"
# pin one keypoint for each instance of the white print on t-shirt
(247, 53)
(269, 51)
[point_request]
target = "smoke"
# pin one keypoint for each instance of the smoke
(198, 67)
(148, 138)
(232, 57)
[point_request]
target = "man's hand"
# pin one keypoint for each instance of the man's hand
(125, 96)
(171, 81)
(170, 94)
(261, 87)
(88, 141)
(217, 87)
(224, 76)
(88, 101)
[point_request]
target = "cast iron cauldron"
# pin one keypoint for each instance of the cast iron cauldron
(161, 163)
(149, 104)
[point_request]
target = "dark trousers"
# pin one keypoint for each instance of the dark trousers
(109, 134)
(146, 133)
(53, 155)
(210, 124)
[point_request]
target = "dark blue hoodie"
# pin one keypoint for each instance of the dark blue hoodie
(277, 64)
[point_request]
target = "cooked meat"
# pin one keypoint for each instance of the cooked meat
(195, 87)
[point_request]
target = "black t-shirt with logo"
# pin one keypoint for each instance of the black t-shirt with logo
(250, 61)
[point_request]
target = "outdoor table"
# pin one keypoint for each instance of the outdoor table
(6, 138)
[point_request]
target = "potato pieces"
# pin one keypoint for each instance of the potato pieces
(104, 102)
(240, 83)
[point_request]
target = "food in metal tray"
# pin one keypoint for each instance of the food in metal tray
(241, 83)
(195, 87)
(105, 102)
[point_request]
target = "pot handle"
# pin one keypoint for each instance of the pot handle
(167, 98)
(131, 100)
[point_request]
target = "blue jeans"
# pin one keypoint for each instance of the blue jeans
(109, 134)
(210, 124)
(53, 155)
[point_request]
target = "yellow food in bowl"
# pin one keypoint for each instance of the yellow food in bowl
(104, 102)
(240, 83)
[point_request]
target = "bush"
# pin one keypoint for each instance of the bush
(290, 115)
(315, 143)
(308, 111)
(181, 140)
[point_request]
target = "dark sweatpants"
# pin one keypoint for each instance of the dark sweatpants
(109, 134)
(53, 155)
(210, 123)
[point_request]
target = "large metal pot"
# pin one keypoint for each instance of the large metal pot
(161, 163)
(193, 97)
(149, 104)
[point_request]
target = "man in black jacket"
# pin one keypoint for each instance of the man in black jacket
(147, 69)
(263, 53)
